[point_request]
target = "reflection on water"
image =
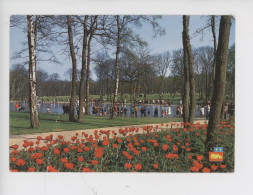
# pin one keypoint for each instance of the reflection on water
(56, 108)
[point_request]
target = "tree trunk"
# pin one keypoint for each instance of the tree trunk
(88, 76)
(146, 88)
(214, 47)
(219, 82)
(73, 57)
(87, 110)
(186, 72)
(191, 72)
(116, 68)
(206, 85)
(131, 92)
(34, 118)
(107, 87)
(214, 53)
(135, 90)
(81, 87)
(186, 92)
(161, 85)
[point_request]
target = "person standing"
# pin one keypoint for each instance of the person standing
(166, 112)
(202, 111)
(156, 113)
(83, 109)
(17, 106)
(125, 112)
(169, 111)
(208, 111)
(64, 108)
(97, 110)
(162, 114)
(100, 111)
(136, 111)
(181, 110)
(225, 111)
(178, 111)
(148, 113)
(141, 111)
(132, 112)
(121, 112)
(116, 110)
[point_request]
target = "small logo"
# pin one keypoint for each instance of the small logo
(218, 149)
(217, 154)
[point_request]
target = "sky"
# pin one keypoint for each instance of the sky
(172, 40)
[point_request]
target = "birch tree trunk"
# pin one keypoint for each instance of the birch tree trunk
(219, 82)
(34, 118)
(81, 86)
(116, 68)
(73, 57)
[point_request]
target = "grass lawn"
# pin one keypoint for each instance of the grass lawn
(20, 122)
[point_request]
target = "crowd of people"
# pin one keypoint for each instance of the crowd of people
(141, 109)
(19, 107)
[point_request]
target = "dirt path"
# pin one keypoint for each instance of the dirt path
(19, 139)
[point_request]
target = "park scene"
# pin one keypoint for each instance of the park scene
(122, 93)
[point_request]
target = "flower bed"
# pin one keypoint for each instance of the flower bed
(178, 149)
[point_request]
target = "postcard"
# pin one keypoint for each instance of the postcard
(122, 93)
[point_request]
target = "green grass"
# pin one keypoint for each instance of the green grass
(20, 122)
